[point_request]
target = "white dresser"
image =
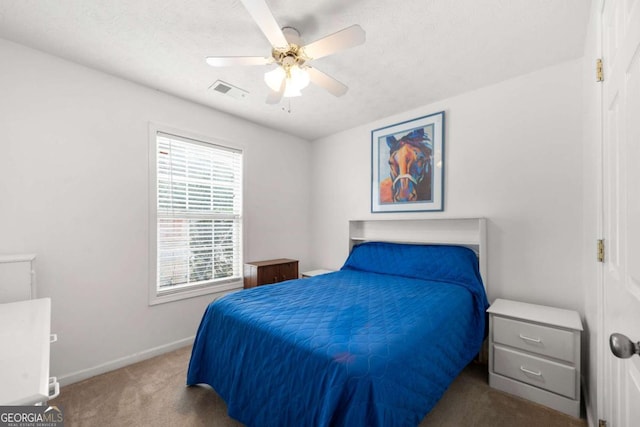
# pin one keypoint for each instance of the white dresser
(534, 353)
(25, 338)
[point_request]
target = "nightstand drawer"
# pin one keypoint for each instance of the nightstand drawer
(534, 338)
(548, 375)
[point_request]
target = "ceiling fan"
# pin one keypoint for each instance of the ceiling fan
(293, 72)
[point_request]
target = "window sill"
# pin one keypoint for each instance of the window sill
(164, 297)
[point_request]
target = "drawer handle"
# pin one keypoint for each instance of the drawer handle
(536, 340)
(526, 371)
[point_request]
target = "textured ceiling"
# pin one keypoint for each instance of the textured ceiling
(417, 51)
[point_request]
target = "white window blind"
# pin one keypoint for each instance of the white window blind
(199, 213)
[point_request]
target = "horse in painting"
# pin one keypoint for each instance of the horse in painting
(410, 169)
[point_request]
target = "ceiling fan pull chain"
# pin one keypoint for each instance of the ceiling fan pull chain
(287, 109)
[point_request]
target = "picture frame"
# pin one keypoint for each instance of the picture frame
(407, 165)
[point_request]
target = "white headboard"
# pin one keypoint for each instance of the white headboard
(469, 232)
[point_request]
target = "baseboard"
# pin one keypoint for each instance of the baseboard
(123, 361)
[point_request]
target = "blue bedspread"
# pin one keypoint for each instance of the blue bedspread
(350, 348)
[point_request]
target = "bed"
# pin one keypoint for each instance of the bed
(376, 343)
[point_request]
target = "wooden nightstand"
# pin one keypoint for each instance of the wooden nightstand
(534, 353)
(260, 273)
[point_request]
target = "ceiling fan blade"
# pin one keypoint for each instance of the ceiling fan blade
(231, 61)
(343, 39)
(261, 13)
(275, 97)
(327, 82)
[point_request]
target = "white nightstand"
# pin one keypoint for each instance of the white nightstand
(534, 353)
(312, 273)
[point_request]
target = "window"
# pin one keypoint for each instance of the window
(196, 207)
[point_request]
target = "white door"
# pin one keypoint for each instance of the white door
(621, 213)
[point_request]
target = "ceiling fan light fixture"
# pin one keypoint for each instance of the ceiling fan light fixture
(291, 92)
(297, 79)
(273, 78)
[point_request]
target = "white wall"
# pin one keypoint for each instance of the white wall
(513, 155)
(73, 190)
(592, 202)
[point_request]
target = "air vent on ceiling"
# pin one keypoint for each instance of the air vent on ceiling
(225, 88)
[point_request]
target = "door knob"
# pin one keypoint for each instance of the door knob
(622, 346)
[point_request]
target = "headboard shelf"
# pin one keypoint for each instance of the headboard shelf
(469, 232)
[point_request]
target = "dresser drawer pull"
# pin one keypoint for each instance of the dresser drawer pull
(526, 371)
(536, 340)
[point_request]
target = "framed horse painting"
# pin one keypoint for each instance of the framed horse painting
(407, 166)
